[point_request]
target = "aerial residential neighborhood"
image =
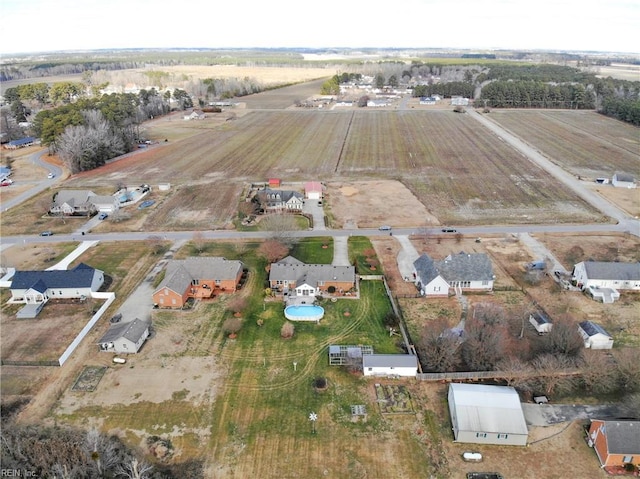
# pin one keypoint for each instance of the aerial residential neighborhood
(389, 268)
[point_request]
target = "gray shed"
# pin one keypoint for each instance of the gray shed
(122, 338)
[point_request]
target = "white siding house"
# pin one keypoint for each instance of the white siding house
(405, 365)
(460, 272)
(482, 414)
(594, 336)
(602, 274)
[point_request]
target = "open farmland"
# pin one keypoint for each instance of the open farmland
(583, 142)
(462, 174)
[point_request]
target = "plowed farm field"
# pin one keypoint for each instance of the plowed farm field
(460, 172)
(583, 142)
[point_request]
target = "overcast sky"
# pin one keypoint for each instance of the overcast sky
(45, 25)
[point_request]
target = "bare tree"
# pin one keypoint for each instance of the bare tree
(133, 468)
(199, 241)
(231, 326)
(237, 304)
(156, 243)
(599, 375)
(439, 347)
(563, 339)
(280, 225)
(517, 372)
(273, 250)
(485, 344)
(554, 373)
(628, 368)
(287, 330)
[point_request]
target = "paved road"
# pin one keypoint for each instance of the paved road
(549, 414)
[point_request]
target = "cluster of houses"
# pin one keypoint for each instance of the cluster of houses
(87, 203)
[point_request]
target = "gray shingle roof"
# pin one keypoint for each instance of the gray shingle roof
(540, 318)
(290, 269)
(79, 277)
(623, 437)
(612, 270)
(73, 197)
(180, 272)
(389, 360)
(132, 331)
(457, 267)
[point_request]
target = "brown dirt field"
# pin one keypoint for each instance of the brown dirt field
(624, 198)
(369, 204)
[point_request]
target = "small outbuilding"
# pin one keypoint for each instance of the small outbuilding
(623, 180)
(123, 338)
(483, 414)
(405, 365)
(594, 335)
(541, 322)
(313, 190)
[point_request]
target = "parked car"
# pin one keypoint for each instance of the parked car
(102, 216)
(385, 228)
(51, 175)
(449, 230)
(6, 182)
(46, 233)
(116, 318)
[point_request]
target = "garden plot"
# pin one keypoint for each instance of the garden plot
(393, 399)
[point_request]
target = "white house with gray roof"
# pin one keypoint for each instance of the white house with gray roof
(623, 180)
(124, 338)
(292, 277)
(457, 272)
(604, 274)
(278, 200)
(483, 414)
(73, 202)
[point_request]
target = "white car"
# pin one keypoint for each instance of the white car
(51, 175)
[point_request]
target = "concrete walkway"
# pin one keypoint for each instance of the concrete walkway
(82, 247)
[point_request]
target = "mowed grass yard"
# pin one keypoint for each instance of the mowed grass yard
(257, 424)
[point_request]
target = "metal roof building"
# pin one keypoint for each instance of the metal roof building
(484, 414)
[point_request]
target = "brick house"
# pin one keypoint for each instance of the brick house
(198, 278)
(616, 442)
(292, 277)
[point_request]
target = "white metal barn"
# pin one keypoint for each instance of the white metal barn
(390, 365)
(483, 414)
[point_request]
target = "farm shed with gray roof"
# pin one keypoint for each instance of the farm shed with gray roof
(483, 414)
(123, 338)
(462, 272)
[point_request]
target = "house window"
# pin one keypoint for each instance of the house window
(503, 436)
(195, 282)
(485, 283)
(627, 459)
(173, 300)
(481, 434)
(218, 281)
(369, 369)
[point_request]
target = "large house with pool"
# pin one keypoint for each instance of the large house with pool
(291, 277)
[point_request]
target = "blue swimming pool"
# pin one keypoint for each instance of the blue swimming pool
(304, 312)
